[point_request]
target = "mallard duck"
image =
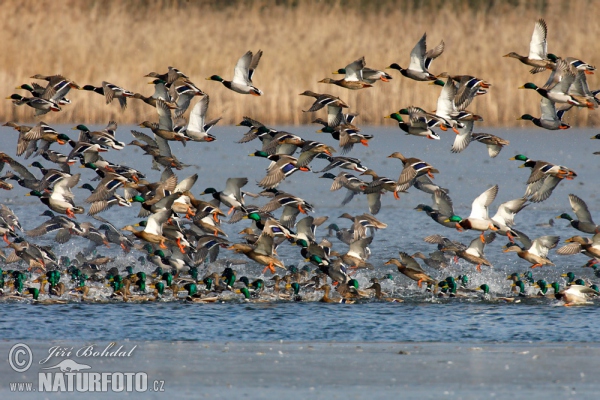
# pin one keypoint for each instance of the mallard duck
(57, 223)
(418, 125)
(442, 210)
(105, 137)
(420, 60)
(557, 88)
(473, 253)
(242, 75)
(357, 255)
(164, 129)
(488, 296)
(504, 217)
(61, 199)
(578, 244)
(349, 135)
(181, 92)
(353, 79)
(575, 63)
(280, 168)
(478, 219)
(493, 143)
(538, 50)
(42, 106)
(380, 183)
(168, 77)
(413, 168)
(584, 221)
(354, 186)
(43, 131)
(436, 260)
(261, 251)
(350, 163)
(379, 295)
(334, 106)
(362, 223)
(369, 75)
(537, 252)
(57, 88)
(550, 119)
(197, 128)
(231, 196)
(153, 231)
(576, 295)
(409, 267)
(327, 299)
(111, 92)
(544, 177)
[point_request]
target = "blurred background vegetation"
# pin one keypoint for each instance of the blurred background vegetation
(303, 42)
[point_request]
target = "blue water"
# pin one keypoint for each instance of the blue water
(448, 321)
(420, 318)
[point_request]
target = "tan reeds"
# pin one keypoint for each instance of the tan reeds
(92, 41)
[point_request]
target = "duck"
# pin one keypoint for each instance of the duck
(369, 75)
(488, 296)
(379, 295)
(576, 295)
(535, 253)
(334, 106)
(409, 267)
(153, 231)
(327, 299)
(242, 75)
(544, 177)
(353, 78)
(505, 215)
(538, 49)
(584, 221)
(418, 125)
(557, 88)
(494, 143)
(231, 196)
(61, 200)
(442, 211)
(473, 254)
(197, 128)
(280, 168)
(550, 119)
(41, 106)
(420, 61)
(413, 168)
(578, 244)
(436, 260)
(381, 183)
(478, 219)
(111, 92)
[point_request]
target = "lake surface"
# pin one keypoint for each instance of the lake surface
(421, 318)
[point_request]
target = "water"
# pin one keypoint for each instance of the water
(419, 319)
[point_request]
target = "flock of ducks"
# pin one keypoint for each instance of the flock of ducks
(181, 234)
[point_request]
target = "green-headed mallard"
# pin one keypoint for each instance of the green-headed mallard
(353, 78)
(550, 119)
(420, 60)
(242, 75)
(584, 221)
(478, 219)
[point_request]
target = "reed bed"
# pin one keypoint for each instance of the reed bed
(120, 42)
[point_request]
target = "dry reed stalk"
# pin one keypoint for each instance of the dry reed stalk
(92, 41)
